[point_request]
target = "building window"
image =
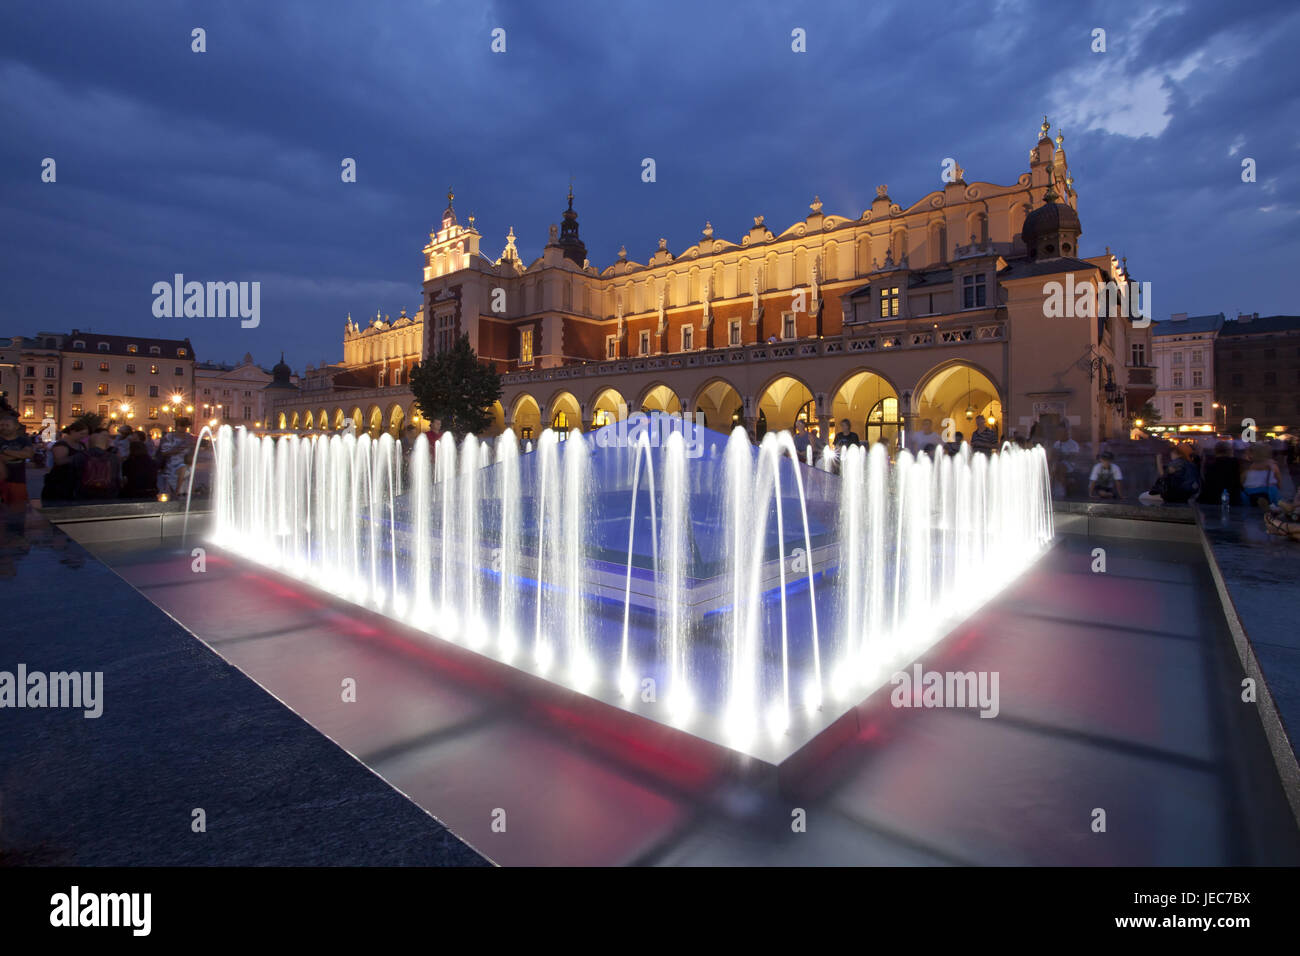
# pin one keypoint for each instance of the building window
(1178, 409)
(103, 346)
(76, 388)
(733, 332)
(611, 346)
(49, 409)
(130, 390)
(29, 388)
(103, 366)
(153, 412)
(972, 292)
(181, 353)
(155, 350)
(787, 325)
(1198, 409)
(1198, 357)
(31, 371)
(153, 369)
(132, 349)
(645, 343)
(153, 391)
(1198, 377)
(49, 388)
(78, 344)
(76, 409)
(1178, 379)
(103, 410)
(102, 389)
(1138, 354)
(130, 368)
(688, 338)
(526, 347)
(77, 365)
(49, 371)
(29, 411)
(1177, 358)
(889, 302)
(179, 370)
(445, 333)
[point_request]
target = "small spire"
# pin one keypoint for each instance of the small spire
(1050, 195)
(471, 220)
(1060, 138)
(1046, 129)
(450, 196)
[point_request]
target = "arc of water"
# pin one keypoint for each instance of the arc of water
(640, 452)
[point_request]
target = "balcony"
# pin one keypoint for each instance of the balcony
(1140, 376)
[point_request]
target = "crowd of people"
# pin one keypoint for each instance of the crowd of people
(93, 463)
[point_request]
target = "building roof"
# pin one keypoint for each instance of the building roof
(121, 345)
(1190, 325)
(1027, 268)
(1261, 326)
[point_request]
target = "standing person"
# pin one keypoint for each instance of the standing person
(1261, 479)
(984, 439)
(122, 443)
(101, 472)
(1222, 473)
(802, 441)
(140, 472)
(15, 450)
(1065, 455)
(954, 447)
(1106, 481)
(62, 479)
(846, 436)
(173, 448)
(925, 440)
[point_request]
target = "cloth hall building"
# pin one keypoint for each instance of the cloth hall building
(938, 310)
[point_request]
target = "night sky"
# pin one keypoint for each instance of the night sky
(225, 165)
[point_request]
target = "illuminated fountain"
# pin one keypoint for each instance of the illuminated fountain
(733, 591)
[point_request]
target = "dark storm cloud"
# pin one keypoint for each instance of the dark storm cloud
(225, 165)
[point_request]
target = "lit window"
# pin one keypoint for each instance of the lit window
(181, 353)
(153, 369)
(526, 347)
(130, 390)
(133, 349)
(103, 389)
(103, 366)
(77, 365)
(889, 302)
(76, 408)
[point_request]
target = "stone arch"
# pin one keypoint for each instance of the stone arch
(721, 403)
(781, 401)
(959, 390)
(284, 424)
(358, 420)
(563, 411)
(396, 419)
(339, 419)
(498, 421)
(309, 421)
(606, 406)
(323, 420)
(374, 421)
(659, 398)
(413, 417)
(859, 395)
(294, 421)
(526, 417)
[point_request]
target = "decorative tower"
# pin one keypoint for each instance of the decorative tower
(574, 248)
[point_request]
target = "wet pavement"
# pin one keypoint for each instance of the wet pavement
(1119, 692)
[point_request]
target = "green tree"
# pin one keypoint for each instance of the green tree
(455, 387)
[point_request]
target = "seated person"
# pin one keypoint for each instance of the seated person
(1105, 482)
(1179, 483)
(1222, 473)
(1261, 478)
